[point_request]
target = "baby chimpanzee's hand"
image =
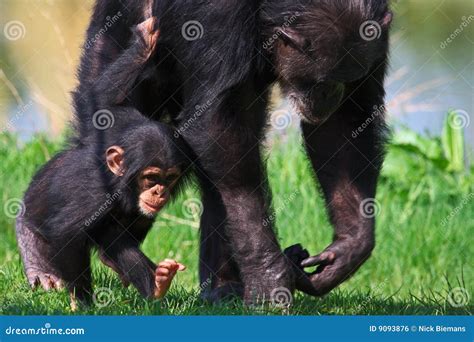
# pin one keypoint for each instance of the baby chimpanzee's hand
(164, 274)
(147, 35)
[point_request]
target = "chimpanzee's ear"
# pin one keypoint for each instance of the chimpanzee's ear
(387, 19)
(114, 156)
(292, 38)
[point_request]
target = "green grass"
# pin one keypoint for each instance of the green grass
(419, 258)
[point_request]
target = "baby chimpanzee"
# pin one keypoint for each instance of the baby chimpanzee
(104, 193)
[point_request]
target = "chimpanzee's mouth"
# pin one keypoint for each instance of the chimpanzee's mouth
(154, 207)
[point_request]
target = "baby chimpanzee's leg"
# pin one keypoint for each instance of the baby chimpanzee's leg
(52, 264)
(72, 260)
(36, 253)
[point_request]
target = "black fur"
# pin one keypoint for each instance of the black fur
(334, 77)
(75, 203)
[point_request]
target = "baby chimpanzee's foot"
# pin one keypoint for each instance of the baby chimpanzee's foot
(148, 35)
(47, 281)
(164, 274)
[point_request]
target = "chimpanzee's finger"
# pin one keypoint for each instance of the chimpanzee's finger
(176, 266)
(164, 264)
(163, 271)
(321, 259)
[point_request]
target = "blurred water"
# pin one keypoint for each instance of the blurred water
(428, 74)
(432, 64)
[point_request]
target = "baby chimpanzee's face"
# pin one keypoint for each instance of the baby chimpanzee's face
(155, 185)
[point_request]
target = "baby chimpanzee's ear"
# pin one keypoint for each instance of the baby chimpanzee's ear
(387, 19)
(114, 157)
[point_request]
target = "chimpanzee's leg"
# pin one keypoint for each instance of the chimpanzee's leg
(218, 272)
(347, 161)
(226, 141)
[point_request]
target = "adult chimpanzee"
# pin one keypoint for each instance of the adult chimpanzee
(105, 195)
(329, 56)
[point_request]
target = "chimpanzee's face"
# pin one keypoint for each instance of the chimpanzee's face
(317, 63)
(155, 185)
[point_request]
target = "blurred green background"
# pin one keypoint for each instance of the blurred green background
(37, 70)
(423, 260)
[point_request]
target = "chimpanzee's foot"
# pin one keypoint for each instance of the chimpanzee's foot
(148, 35)
(47, 281)
(223, 292)
(335, 264)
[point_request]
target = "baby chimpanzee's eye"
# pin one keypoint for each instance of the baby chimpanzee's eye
(151, 180)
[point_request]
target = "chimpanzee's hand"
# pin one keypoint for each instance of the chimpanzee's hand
(164, 274)
(335, 264)
(296, 254)
(147, 35)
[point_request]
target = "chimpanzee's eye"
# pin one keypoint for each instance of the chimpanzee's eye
(151, 181)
